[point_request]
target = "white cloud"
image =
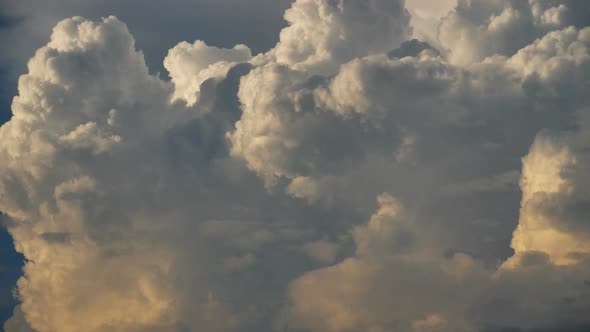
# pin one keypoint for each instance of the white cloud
(426, 17)
(479, 29)
(323, 34)
(190, 65)
(241, 208)
(390, 283)
(88, 136)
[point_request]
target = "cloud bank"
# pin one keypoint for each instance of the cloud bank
(349, 179)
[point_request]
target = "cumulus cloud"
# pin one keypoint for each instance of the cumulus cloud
(240, 194)
(190, 65)
(78, 191)
(426, 17)
(390, 283)
(478, 29)
(323, 34)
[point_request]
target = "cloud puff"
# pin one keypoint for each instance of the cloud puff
(478, 29)
(76, 183)
(323, 34)
(390, 283)
(554, 202)
(244, 206)
(64, 102)
(190, 65)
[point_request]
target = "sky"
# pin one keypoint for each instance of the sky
(295, 165)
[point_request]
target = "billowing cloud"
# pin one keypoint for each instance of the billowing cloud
(478, 29)
(323, 34)
(191, 65)
(392, 282)
(240, 194)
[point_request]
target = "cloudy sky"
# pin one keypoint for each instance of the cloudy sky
(295, 165)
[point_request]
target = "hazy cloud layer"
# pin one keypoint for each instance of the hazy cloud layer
(351, 178)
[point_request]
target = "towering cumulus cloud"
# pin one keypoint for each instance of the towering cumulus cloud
(349, 179)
